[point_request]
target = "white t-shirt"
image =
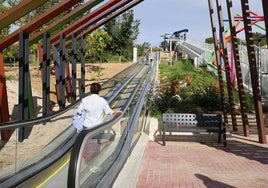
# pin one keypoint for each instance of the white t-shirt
(96, 107)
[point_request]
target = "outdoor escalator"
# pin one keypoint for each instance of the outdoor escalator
(99, 154)
(97, 148)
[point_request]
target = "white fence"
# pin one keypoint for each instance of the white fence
(202, 53)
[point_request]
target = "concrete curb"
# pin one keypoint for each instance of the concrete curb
(129, 175)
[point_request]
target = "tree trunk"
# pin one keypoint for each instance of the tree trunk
(120, 58)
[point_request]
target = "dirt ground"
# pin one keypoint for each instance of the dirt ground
(93, 73)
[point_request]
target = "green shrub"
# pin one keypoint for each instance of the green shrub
(199, 95)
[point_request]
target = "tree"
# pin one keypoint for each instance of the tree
(96, 44)
(257, 37)
(209, 40)
(11, 54)
(143, 48)
(124, 31)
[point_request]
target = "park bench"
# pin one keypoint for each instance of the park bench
(195, 123)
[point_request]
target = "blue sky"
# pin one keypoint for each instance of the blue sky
(167, 16)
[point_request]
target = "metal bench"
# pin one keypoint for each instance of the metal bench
(196, 123)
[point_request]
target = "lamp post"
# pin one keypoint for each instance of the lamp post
(170, 51)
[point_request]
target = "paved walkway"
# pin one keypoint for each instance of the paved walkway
(243, 163)
(191, 164)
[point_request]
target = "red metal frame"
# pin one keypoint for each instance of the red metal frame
(4, 116)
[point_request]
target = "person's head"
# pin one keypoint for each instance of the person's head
(95, 88)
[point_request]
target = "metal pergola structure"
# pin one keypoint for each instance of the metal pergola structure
(51, 41)
(221, 52)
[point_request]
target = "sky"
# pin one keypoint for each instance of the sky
(158, 17)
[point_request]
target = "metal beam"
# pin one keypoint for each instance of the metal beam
(104, 14)
(69, 30)
(37, 22)
(66, 19)
(21, 9)
(112, 14)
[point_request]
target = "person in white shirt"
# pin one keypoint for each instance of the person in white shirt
(95, 107)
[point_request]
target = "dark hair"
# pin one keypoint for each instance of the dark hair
(95, 88)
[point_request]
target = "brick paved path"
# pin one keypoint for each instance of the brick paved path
(241, 164)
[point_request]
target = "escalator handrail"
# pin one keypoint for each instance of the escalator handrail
(113, 172)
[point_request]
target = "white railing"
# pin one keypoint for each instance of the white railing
(202, 53)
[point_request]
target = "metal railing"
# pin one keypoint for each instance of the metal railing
(203, 53)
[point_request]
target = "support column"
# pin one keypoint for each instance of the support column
(62, 72)
(216, 48)
(226, 64)
(74, 61)
(23, 108)
(253, 72)
(45, 69)
(239, 77)
(4, 116)
(265, 14)
(83, 60)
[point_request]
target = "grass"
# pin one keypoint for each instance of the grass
(180, 70)
(196, 86)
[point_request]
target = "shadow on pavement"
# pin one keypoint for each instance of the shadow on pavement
(250, 149)
(212, 183)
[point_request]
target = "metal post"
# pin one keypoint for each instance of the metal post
(259, 67)
(46, 73)
(74, 60)
(216, 48)
(253, 72)
(62, 73)
(4, 111)
(82, 83)
(227, 67)
(170, 52)
(239, 78)
(265, 13)
(23, 110)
